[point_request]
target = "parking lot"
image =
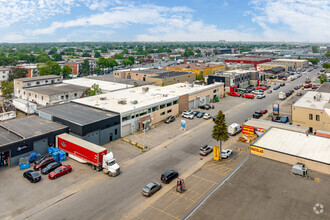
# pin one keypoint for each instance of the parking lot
(266, 189)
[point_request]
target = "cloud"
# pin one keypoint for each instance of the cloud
(293, 20)
(13, 37)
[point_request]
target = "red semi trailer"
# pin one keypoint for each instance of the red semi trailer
(87, 152)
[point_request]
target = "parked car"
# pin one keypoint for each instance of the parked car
(284, 78)
(260, 96)
(32, 176)
(200, 115)
(205, 150)
(206, 107)
(50, 167)
(257, 92)
(308, 86)
(186, 112)
(169, 119)
(282, 84)
(226, 153)
(263, 111)
(257, 114)
(60, 171)
(248, 96)
(41, 164)
(284, 119)
(188, 115)
(195, 113)
(234, 94)
(169, 175)
(38, 160)
(276, 119)
(299, 94)
(276, 87)
(210, 106)
(206, 116)
(269, 91)
(151, 188)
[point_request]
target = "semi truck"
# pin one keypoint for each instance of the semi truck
(87, 152)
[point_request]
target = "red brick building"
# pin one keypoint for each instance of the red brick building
(248, 60)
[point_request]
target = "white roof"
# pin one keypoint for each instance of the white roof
(104, 85)
(294, 143)
(290, 60)
(308, 100)
(132, 69)
(180, 89)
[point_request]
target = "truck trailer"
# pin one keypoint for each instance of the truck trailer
(87, 152)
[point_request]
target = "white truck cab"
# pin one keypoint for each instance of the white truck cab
(110, 166)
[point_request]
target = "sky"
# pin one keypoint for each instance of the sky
(164, 20)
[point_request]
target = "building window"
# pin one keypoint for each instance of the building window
(116, 132)
(143, 113)
(175, 102)
(38, 83)
(126, 118)
(214, 91)
(169, 111)
(154, 108)
(42, 98)
(163, 113)
(67, 96)
(169, 104)
(149, 110)
(310, 116)
(75, 95)
(62, 97)
(162, 106)
(317, 118)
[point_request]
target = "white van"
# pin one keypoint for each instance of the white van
(234, 129)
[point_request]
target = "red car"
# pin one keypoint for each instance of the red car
(284, 78)
(234, 94)
(44, 162)
(248, 96)
(263, 111)
(308, 86)
(261, 88)
(60, 171)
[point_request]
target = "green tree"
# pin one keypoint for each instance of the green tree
(112, 63)
(149, 56)
(323, 78)
(219, 131)
(141, 60)
(132, 59)
(126, 62)
(326, 65)
(85, 69)
(57, 57)
(327, 54)
(188, 53)
(42, 58)
(94, 90)
(66, 71)
(97, 54)
(52, 51)
(50, 67)
(97, 70)
(315, 49)
(85, 54)
(200, 76)
(118, 56)
(125, 51)
(314, 61)
(7, 89)
(102, 62)
(17, 73)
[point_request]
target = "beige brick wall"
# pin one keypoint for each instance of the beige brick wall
(157, 117)
(183, 103)
(300, 116)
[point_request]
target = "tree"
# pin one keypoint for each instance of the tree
(219, 131)
(188, 53)
(125, 51)
(323, 78)
(314, 61)
(95, 89)
(326, 65)
(118, 56)
(97, 70)
(327, 54)
(102, 62)
(126, 62)
(50, 67)
(43, 58)
(315, 49)
(149, 56)
(57, 57)
(17, 73)
(85, 54)
(85, 69)
(141, 60)
(112, 63)
(7, 89)
(97, 54)
(66, 71)
(200, 76)
(132, 59)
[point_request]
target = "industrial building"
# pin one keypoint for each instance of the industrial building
(270, 65)
(247, 60)
(105, 86)
(312, 110)
(91, 124)
(21, 136)
(297, 64)
(198, 68)
(152, 104)
(128, 82)
(294, 147)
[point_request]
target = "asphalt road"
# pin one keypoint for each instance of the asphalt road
(112, 198)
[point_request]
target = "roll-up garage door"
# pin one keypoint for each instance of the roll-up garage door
(125, 130)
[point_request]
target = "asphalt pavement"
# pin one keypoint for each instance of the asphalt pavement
(113, 198)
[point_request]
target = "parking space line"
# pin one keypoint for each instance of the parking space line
(202, 178)
(164, 212)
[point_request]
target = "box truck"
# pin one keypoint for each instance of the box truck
(282, 96)
(234, 128)
(87, 152)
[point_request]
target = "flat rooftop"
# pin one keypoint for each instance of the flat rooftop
(38, 78)
(276, 64)
(195, 66)
(265, 189)
(325, 87)
(56, 89)
(30, 126)
(111, 78)
(290, 60)
(8, 137)
(77, 114)
(235, 72)
(259, 123)
(168, 74)
(297, 144)
(308, 101)
(104, 85)
(247, 58)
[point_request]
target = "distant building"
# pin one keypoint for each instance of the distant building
(4, 72)
(198, 68)
(297, 64)
(32, 69)
(269, 65)
(247, 60)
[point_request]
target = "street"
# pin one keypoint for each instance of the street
(113, 198)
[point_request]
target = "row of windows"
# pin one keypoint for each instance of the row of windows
(317, 117)
(168, 111)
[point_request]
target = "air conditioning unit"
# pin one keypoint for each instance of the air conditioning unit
(122, 101)
(134, 102)
(103, 98)
(145, 89)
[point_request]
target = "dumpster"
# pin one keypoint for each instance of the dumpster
(24, 163)
(62, 155)
(33, 156)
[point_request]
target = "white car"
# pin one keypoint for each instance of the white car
(207, 116)
(257, 92)
(260, 96)
(186, 112)
(188, 115)
(226, 153)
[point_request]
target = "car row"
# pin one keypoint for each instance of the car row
(192, 114)
(259, 114)
(153, 187)
(206, 106)
(288, 93)
(206, 149)
(284, 119)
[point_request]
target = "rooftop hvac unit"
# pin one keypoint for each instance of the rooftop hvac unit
(145, 89)
(103, 98)
(318, 96)
(122, 101)
(299, 169)
(164, 95)
(134, 102)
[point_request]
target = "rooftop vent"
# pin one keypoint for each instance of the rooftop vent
(318, 96)
(145, 89)
(122, 101)
(134, 102)
(164, 95)
(103, 98)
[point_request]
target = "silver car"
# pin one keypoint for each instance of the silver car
(205, 150)
(151, 188)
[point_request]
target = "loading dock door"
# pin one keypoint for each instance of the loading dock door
(41, 146)
(125, 130)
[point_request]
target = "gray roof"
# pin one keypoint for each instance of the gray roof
(38, 78)
(168, 74)
(77, 114)
(30, 126)
(275, 69)
(7, 137)
(325, 87)
(247, 58)
(111, 78)
(56, 89)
